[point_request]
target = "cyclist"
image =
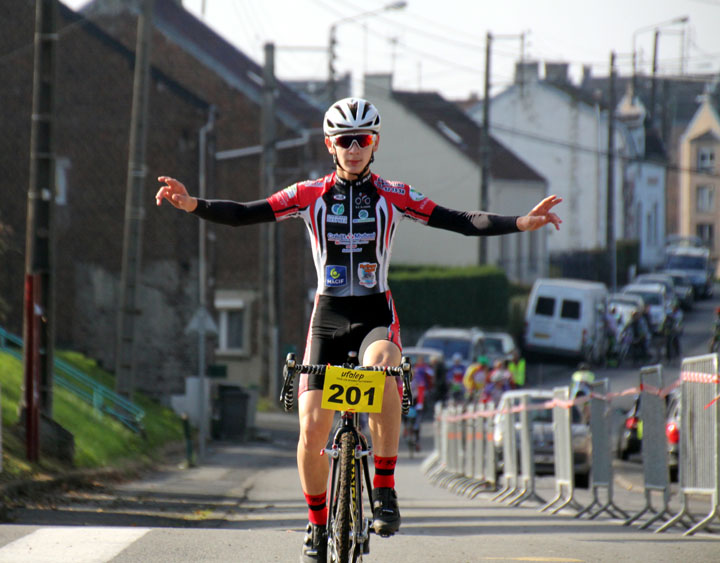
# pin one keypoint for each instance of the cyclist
(351, 215)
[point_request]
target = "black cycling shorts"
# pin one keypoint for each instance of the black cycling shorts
(340, 325)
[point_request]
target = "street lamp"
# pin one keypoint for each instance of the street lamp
(656, 27)
(333, 40)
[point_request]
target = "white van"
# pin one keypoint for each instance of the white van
(696, 263)
(566, 317)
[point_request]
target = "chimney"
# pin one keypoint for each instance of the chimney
(586, 74)
(556, 72)
(526, 72)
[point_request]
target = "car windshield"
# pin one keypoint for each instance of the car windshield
(650, 298)
(449, 346)
(493, 345)
(685, 262)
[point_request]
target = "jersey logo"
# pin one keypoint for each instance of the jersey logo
(339, 197)
(367, 274)
(363, 217)
(335, 276)
(338, 209)
(416, 195)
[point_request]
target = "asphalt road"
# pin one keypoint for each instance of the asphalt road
(244, 503)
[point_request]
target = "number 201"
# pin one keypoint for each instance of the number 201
(352, 395)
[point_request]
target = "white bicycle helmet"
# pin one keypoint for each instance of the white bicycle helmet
(351, 114)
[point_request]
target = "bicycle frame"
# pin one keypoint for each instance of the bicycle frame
(348, 531)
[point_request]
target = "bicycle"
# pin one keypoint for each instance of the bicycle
(349, 390)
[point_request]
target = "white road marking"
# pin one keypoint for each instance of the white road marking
(79, 544)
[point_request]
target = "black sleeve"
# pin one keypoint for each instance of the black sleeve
(234, 213)
(472, 223)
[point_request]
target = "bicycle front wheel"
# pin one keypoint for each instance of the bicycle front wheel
(345, 501)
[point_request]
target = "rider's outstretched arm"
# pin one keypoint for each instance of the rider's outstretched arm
(234, 213)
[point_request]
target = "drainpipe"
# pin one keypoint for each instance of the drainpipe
(202, 282)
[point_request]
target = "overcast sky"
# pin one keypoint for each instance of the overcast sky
(440, 45)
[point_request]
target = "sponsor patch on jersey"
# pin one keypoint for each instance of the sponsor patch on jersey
(338, 197)
(367, 274)
(337, 219)
(335, 276)
(416, 195)
(338, 209)
(393, 187)
(363, 201)
(363, 217)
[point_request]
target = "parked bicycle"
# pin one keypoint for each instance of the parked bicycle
(349, 390)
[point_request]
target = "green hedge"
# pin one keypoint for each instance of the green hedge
(459, 297)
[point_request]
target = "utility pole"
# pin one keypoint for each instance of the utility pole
(485, 146)
(268, 242)
(610, 210)
(331, 86)
(38, 309)
(653, 80)
(134, 209)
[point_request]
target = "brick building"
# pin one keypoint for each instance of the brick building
(197, 79)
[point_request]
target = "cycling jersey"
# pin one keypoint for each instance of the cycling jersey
(352, 224)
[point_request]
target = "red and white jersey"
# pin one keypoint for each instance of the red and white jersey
(351, 225)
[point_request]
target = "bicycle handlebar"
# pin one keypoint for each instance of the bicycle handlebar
(292, 368)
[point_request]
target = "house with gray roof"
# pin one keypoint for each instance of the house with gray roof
(562, 131)
(428, 142)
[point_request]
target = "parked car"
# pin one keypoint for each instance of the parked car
(413, 352)
(499, 346)
(665, 280)
(630, 435)
(655, 297)
(683, 288)
(468, 342)
(625, 304)
(543, 440)
(566, 317)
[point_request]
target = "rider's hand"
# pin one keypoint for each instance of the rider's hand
(175, 192)
(540, 215)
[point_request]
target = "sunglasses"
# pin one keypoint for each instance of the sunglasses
(363, 140)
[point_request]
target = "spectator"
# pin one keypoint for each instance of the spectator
(517, 368)
(474, 379)
(455, 375)
(440, 385)
(421, 383)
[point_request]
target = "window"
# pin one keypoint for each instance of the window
(545, 306)
(62, 170)
(705, 198)
(706, 232)
(234, 325)
(706, 159)
(570, 309)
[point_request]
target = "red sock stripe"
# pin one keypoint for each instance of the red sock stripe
(317, 508)
(384, 472)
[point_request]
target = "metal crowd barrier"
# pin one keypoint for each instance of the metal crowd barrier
(601, 471)
(464, 456)
(656, 470)
(526, 477)
(562, 449)
(509, 449)
(699, 457)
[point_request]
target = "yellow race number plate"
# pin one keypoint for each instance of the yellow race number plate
(353, 390)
